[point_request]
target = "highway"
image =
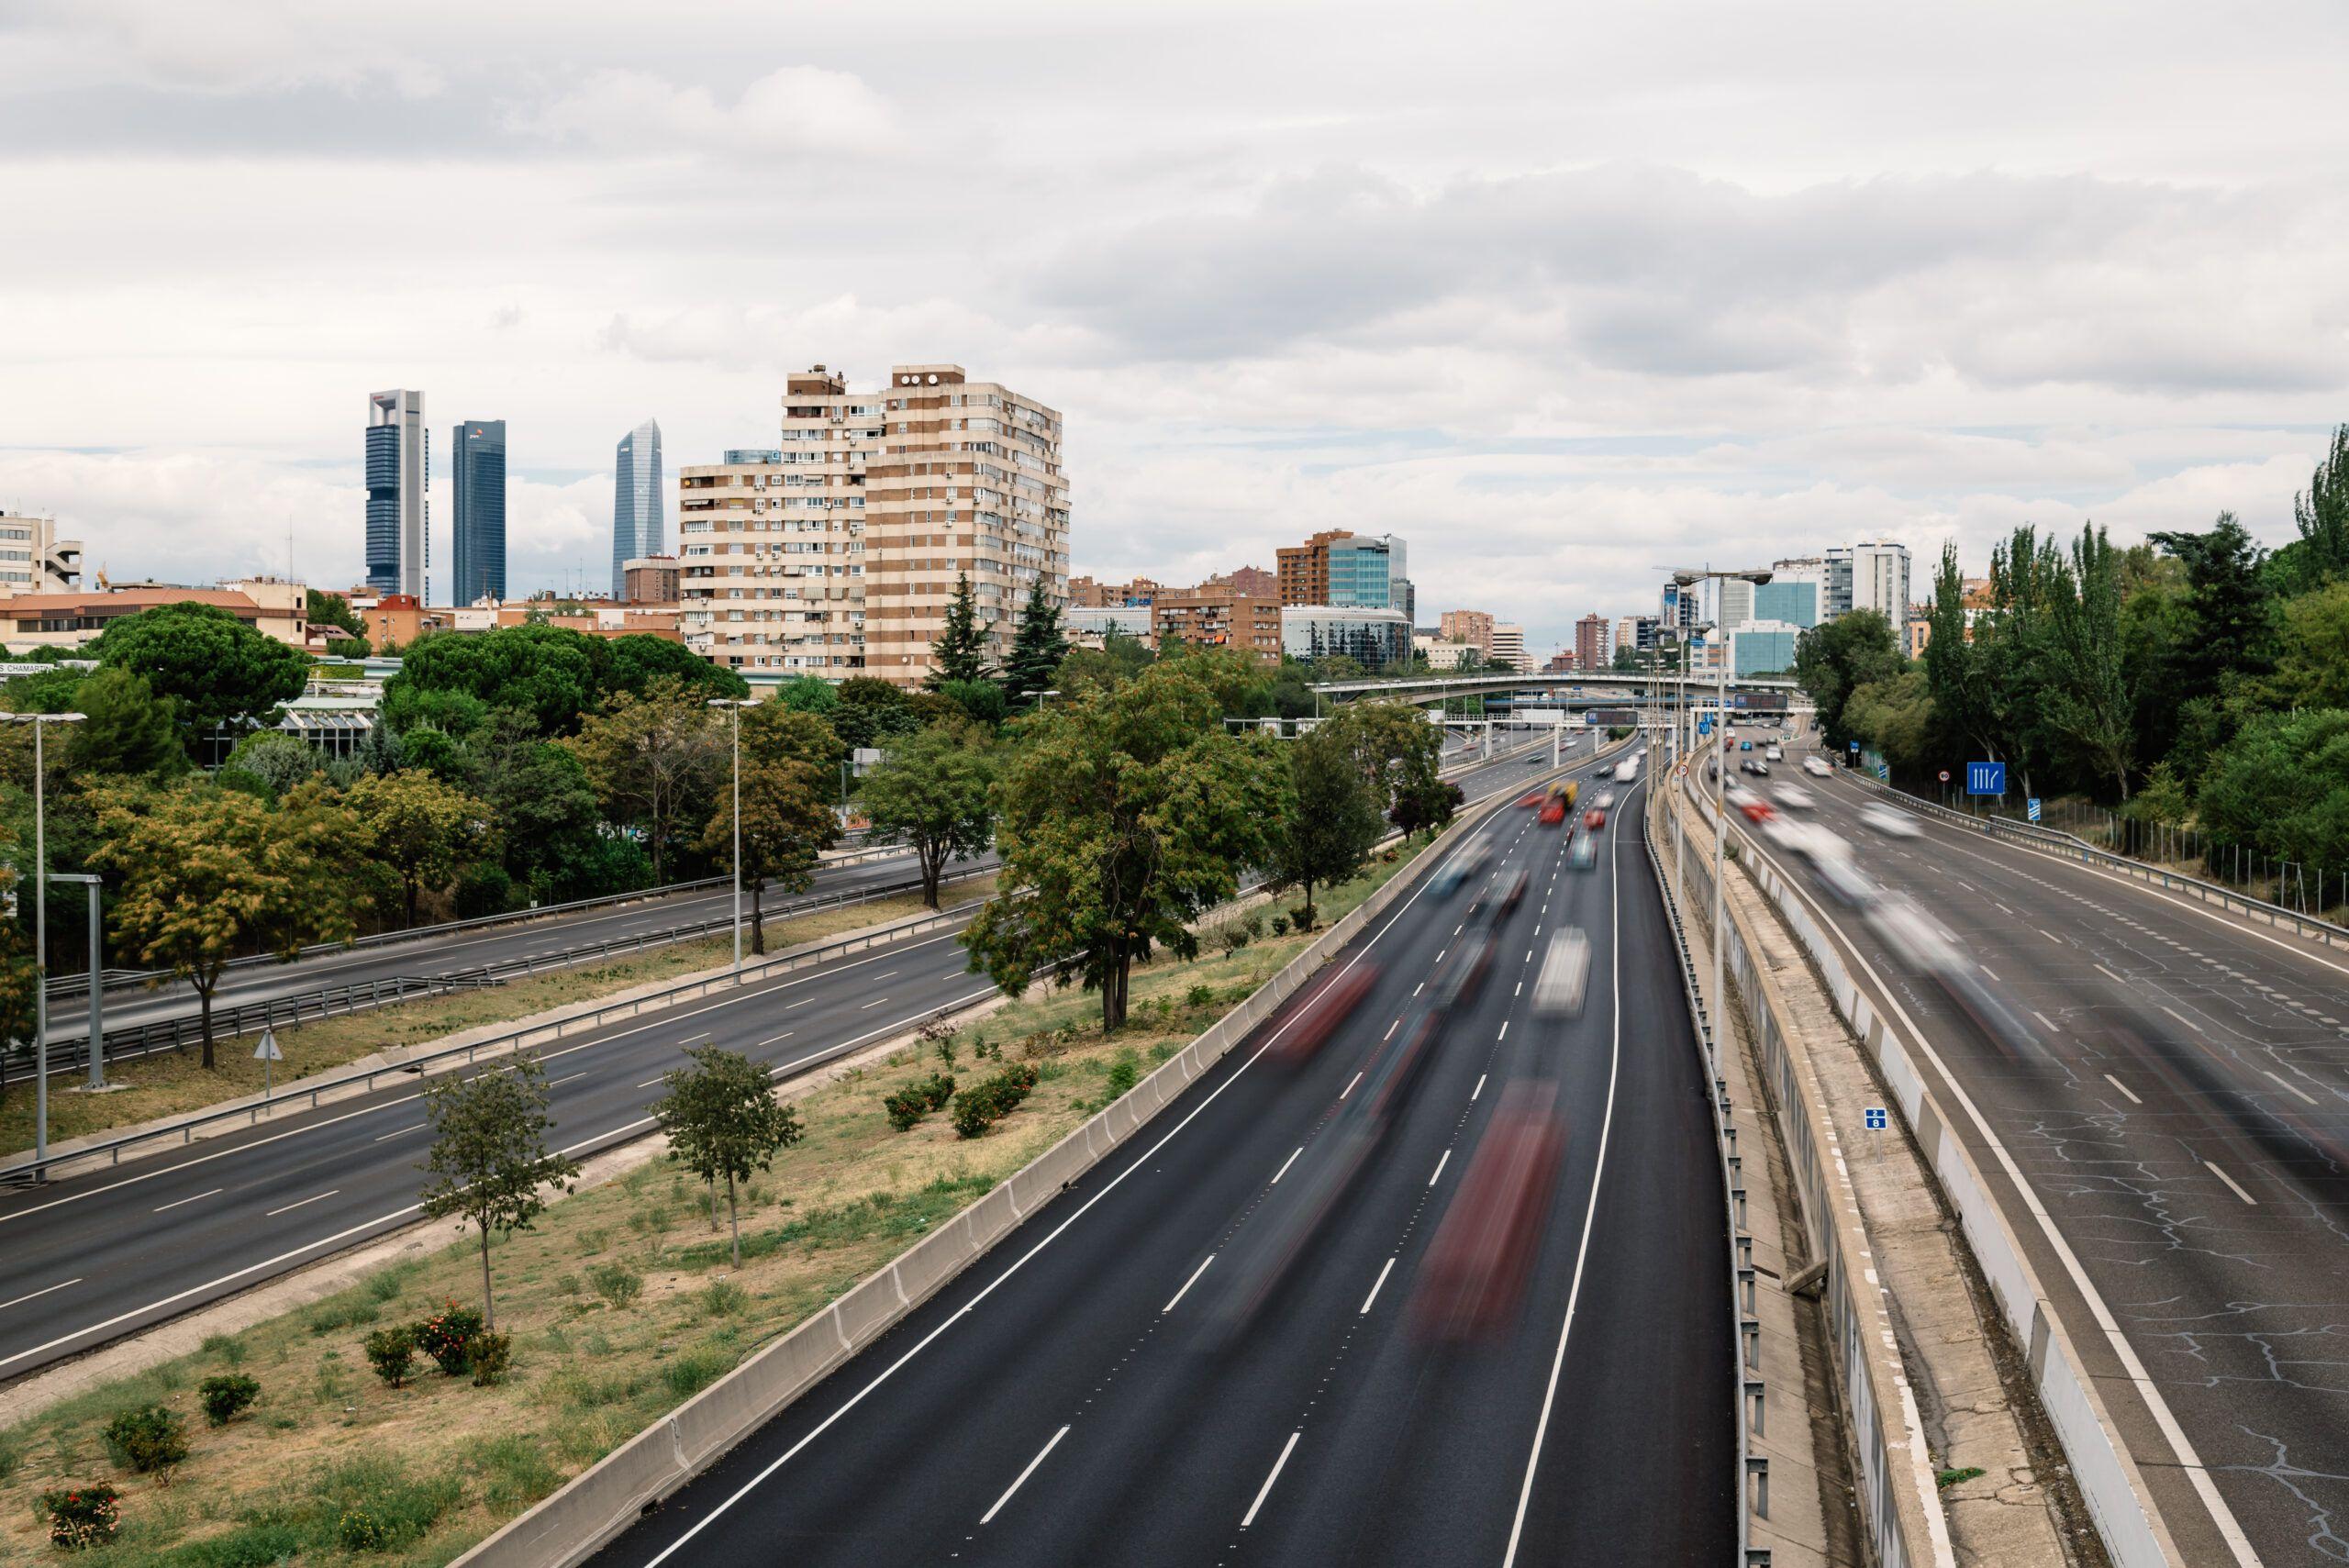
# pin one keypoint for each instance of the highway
(1121, 1381)
(94, 1256)
(2172, 1097)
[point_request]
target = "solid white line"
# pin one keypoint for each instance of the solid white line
(1284, 1165)
(2287, 1083)
(1350, 1085)
(1015, 1486)
(2049, 934)
(2230, 1182)
(1182, 1293)
(2123, 1088)
(303, 1204)
(2182, 1018)
(176, 1202)
(5, 1305)
(2108, 974)
(1438, 1167)
(1478, 1089)
(1266, 1490)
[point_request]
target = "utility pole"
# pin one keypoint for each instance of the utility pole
(734, 707)
(40, 723)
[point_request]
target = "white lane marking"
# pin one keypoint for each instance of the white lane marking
(1503, 1034)
(801, 1003)
(1350, 1085)
(1987, 970)
(1520, 989)
(2123, 1088)
(885, 974)
(2045, 1020)
(1185, 1291)
(874, 1003)
(778, 1039)
(20, 1300)
(1373, 1288)
(1390, 1031)
(2182, 1018)
(1438, 1167)
(1590, 1213)
(1439, 957)
(1478, 1089)
(2108, 974)
(2049, 934)
(1419, 988)
(1015, 1486)
(650, 1081)
(176, 1202)
(2233, 1185)
(290, 1207)
(2295, 1088)
(1266, 1489)
(557, 1084)
(1284, 1165)
(1457, 929)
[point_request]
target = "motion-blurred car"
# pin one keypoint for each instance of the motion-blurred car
(1459, 869)
(1890, 822)
(1319, 1018)
(1776, 753)
(1473, 1281)
(1606, 801)
(1750, 805)
(1534, 800)
(1513, 896)
(1761, 770)
(1553, 811)
(1816, 767)
(1472, 960)
(1564, 975)
(1584, 855)
(1594, 820)
(1794, 797)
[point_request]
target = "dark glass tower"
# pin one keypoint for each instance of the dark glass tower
(478, 481)
(636, 501)
(398, 470)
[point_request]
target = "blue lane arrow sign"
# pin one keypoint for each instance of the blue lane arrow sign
(1985, 778)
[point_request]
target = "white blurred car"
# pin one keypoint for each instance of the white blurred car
(1565, 975)
(1817, 767)
(1794, 797)
(1890, 822)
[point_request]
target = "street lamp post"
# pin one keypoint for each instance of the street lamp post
(734, 707)
(97, 992)
(40, 723)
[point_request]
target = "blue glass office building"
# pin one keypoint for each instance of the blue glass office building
(636, 501)
(1371, 572)
(477, 457)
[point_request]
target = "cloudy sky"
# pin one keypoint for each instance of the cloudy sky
(1559, 292)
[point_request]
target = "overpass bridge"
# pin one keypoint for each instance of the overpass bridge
(1598, 689)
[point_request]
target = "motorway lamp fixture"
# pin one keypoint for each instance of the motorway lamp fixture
(40, 723)
(735, 707)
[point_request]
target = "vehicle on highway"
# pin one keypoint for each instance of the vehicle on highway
(1584, 855)
(1553, 811)
(1761, 770)
(1606, 801)
(1534, 800)
(1594, 820)
(1569, 792)
(1513, 896)
(1460, 868)
(1319, 1018)
(1776, 753)
(1794, 797)
(1473, 1281)
(1750, 805)
(1627, 771)
(1889, 821)
(1917, 939)
(1745, 745)
(1472, 960)
(1816, 767)
(1564, 975)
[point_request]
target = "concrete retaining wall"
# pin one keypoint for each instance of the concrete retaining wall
(571, 1524)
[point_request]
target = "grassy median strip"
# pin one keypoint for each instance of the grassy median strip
(620, 1305)
(171, 1083)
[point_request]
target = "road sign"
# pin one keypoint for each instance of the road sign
(2031, 808)
(269, 1056)
(1704, 727)
(1985, 778)
(1854, 746)
(1876, 1118)
(1884, 773)
(1944, 775)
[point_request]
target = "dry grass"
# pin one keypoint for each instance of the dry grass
(172, 1084)
(453, 1462)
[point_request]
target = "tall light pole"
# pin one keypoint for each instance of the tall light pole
(734, 707)
(1687, 579)
(40, 723)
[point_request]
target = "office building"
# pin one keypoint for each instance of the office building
(1682, 612)
(1726, 601)
(1474, 627)
(1090, 626)
(33, 560)
(1216, 618)
(636, 501)
(477, 496)
(1880, 579)
(842, 558)
(1762, 648)
(1370, 635)
(1338, 568)
(1508, 648)
(650, 580)
(399, 475)
(1835, 583)
(1793, 600)
(1441, 653)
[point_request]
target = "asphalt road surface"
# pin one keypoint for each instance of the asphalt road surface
(2175, 1099)
(1093, 1391)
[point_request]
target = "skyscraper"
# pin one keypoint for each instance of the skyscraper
(1880, 580)
(636, 501)
(477, 478)
(399, 467)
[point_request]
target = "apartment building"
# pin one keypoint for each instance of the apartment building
(33, 560)
(1880, 579)
(1085, 594)
(1474, 627)
(1250, 582)
(1216, 618)
(1593, 642)
(650, 580)
(1508, 647)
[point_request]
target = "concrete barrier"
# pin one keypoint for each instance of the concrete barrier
(572, 1523)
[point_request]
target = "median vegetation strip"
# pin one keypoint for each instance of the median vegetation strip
(175, 1083)
(622, 1302)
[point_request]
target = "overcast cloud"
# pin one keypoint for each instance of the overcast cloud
(1560, 293)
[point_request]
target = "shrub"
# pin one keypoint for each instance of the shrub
(443, 1335)
(616, 1282)
(723, 1299)
(81, 1516)
(987, 1102)
(694, 1371)
(1280, 924)
(905, 1108)
(488, 1356)
(359, 1530)
(1255, 924)
(150, 1441)
(985, 1051)
(1124, 1074)
(1233, 935)
(392, 1353)
(223, 1397)
(1199, 997)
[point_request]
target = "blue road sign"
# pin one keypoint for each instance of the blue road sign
(1877, 1119)
(2031, 808)
(1704, 727)
(1854, 745)
(1985, 778)
(1884, 773)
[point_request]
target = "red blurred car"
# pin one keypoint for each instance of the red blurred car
(1474, 1276)
(1535, 799)
(1552, 813)
(1594, 820)
(1319, 1018)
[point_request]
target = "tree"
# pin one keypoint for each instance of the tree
(425, 830)
(1400, 755)
(1836, 656)
(634, 663)
(274, 760)
(2320, 554)
(18, 976)
(931, 791)
(489, 1155)
(2229, 602)
(807, 694)
(216, 671)
(959, 653)
(2086, 697)
(550, 673)
(2282, 787)
(206, 874)
(870, 713)
(723, 1120)
(788, 820)
(1122, 817)
(1037, 649)
(332, 609)
(773, 733)
(2312, 650)
(1896, 717)
(125, 730)
(654, 761)
(1119, 660)
(981, 701)
(1329, 821)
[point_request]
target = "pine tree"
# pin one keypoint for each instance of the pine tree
(961, 652)
(1036, 650)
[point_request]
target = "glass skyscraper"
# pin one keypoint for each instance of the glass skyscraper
(1371, 572)
(477, 478)
(636, 501)
(398, 470)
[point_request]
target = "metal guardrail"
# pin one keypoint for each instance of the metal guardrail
(61, 985)
(184, 1129)
(2068, 846)
(70, 1051)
